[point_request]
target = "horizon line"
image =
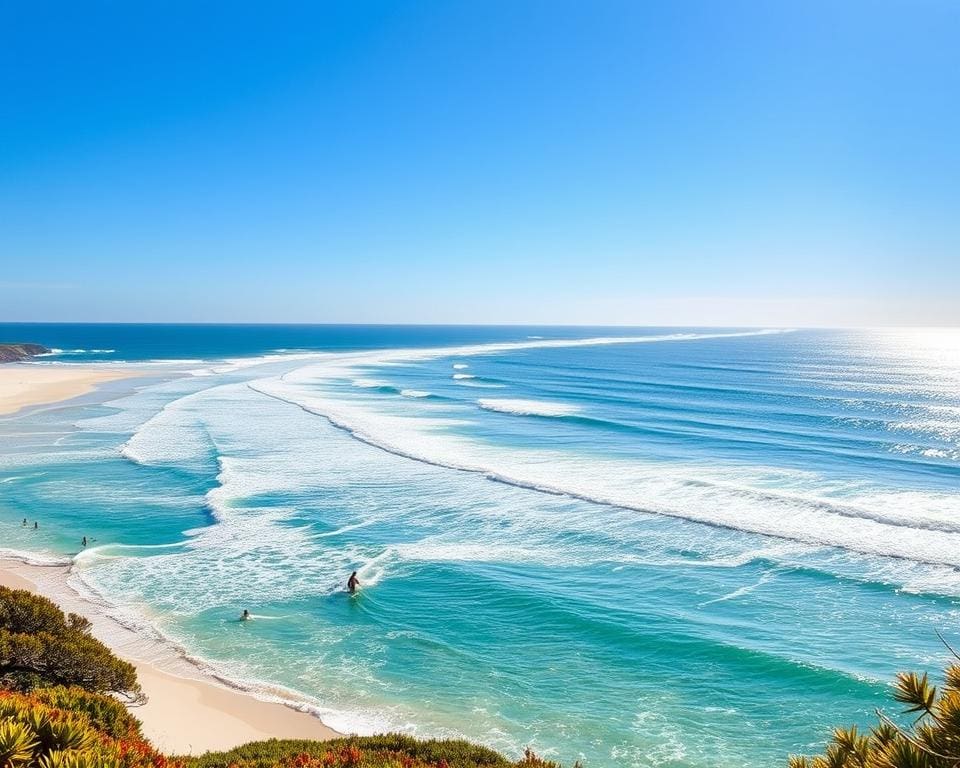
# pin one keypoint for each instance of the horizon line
(790, 326)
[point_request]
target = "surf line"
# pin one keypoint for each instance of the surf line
(416, 354)
(570, 494)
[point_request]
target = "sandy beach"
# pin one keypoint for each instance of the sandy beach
(25, 385)
(187, 712)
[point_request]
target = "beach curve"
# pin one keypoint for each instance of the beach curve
(188, 710)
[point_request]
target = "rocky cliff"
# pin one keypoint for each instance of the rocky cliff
(11, 353)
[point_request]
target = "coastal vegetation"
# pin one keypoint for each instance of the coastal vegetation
(386, 751)
(71, 728)
(63, 695)
(40, 646)
(62, 705)
(929, 739)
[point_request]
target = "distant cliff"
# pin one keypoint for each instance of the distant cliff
(11, 353)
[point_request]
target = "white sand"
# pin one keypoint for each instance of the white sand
(183, 715)
(191, 714)
(26, 385)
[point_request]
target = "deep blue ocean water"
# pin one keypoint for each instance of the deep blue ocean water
(677, 547)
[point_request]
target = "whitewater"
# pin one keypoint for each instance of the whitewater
(637, 547)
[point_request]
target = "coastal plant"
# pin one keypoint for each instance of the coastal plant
(17, 742)
(59, 708)
(929, 738)
(35, 734)
(367, 751)
(105, 713)
(383, 751)
(72, 728)
(40, 646)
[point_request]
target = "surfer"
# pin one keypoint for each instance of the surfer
(353, 582)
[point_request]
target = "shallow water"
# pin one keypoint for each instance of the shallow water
(669, 547)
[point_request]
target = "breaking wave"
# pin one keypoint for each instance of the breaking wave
(528, 407)
(857, 524)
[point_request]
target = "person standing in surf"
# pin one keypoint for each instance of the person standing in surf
(352, 583)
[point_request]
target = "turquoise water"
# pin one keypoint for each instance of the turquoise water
(632, 546)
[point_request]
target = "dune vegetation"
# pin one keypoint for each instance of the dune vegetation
(40, 646)
(62, 705)
(387, 751)
(930, 737)
(63, 697)
(71, 728)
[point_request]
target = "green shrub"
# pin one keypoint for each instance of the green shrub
(931, 741)
(17, 742)
(106, 714)
(53, 713)
(387, 751)
(36, 734)
(39, 646)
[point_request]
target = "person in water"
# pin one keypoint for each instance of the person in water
(353, 582)
(245, 616)
(24, 522)
(35, 525)
(84, 541)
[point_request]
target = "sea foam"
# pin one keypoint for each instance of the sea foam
(528, 407)
(699, 494)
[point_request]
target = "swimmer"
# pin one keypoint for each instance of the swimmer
(353, 582)
(245, 616)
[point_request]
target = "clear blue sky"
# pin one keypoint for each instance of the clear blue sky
(767, 162)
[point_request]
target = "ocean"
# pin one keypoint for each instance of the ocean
(630, 546)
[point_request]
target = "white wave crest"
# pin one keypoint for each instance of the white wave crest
(174, 435)
(924, 530)
(43, 559)
(741, 591)
(370, 383)
(55, 352)
(527, 407)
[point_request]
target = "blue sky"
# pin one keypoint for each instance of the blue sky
(729, 163)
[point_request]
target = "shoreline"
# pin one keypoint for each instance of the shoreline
(189, 710)
(23, 386)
